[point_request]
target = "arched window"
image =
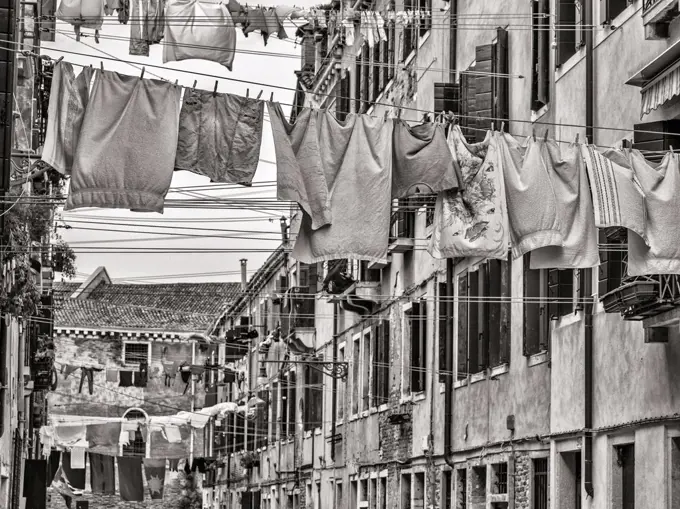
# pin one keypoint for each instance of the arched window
(137, 443)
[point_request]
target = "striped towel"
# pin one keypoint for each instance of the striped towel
(613, 184)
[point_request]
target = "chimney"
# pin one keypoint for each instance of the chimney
(244, 275)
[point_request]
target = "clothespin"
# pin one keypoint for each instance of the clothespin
(215, 89)
(502, 127)
(545, 138)
(271, 98)
(247, 93)
(386, 113)
(576, 139)
(101, 65)
(176, 82)
(260, 94)
(671, 147)
(493, 127)
(533, 133)
(195, 83)
(399, 114)
(59, 60)
(142, 75)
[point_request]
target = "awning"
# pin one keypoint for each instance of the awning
(659, 79)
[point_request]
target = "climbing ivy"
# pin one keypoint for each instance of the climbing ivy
(190, 492)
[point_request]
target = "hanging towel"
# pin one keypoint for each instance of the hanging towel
(161, 447)
(575, 208)
(189, 36)
(126, 379)
(52, 466)
(618, 200)
(74, 476)
(67, 435)
(357, 162)
(198, 464)
(102, 473)
(661, 187)
(68, 369)
(173, 434)
(35, 473)
(474, 221)
(68, 100)
(532, 204)
(299, 169)
(62, 485)
(126, 152)
(130, 481)
(112, 375)
(422, 160)
(155, 477)
(78, 458)
(103, 438)
(256, 22)
(220, 136)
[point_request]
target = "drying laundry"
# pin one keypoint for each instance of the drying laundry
(130, 479)
(661, 187)
(74, 475)
(35, 472)
(68, 369)
(154, 469)
(82, 14)
(103, 438)
(575, 208)
(68, 435)
(255, 21)
(422, 161)
(126, 152)
(299, 171)
(532, 204)
(220, 136)
(112, 375)
(87, 374)
(474, 221)
(357, 166)
(189, 37)
(172, 434)
(162, 447)
(618, 200)
(102, 474)
(148, 25)
(78, 458)
(125, 379)
(68, 99)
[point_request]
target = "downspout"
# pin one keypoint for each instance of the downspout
(587, 275)
(334, 382)
(448, 347)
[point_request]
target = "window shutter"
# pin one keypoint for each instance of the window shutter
(342, 107)
(501, 105)
(565, 16)
(422, 347)
(532, 308)
(579, 20)
(391, 46)
(303, 275)
(467, 106)
(375, 72)
(462, 319)
(543, 54)
(484, 56)
(313, 278)
(603, 268)
(443, 373)
(415, 342)
(358, 77)
(446, 97)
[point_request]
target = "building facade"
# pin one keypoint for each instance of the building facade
(477, 383)
(135, 351)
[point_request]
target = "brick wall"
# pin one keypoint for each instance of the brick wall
(522, 481)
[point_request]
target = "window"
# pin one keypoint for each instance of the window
(313, 398)
(338, 494)
(342, 96)
(444, 319)
(484, 317)
(425, 7)
(405, 491)
(356, 372)
(391, 48)
(363, 493)
(540, 82)
(273, 430)
(341, 386)
(306, 302)
(477, 485)
(417, 325)
(548, 295)
(447, 489)
(373, 496)
(284, 406)
(569, 488)
(499, 483)
(376, 71)
(354, 493)
(613, 259)
(381, 364)
(261, 428)
(569, 33)
(366, 370)
(382, 503)
(461, 488)
(540, 484)
(612, 8)
(135, 353)
(623, 477)
(317, 500)
(137, 442)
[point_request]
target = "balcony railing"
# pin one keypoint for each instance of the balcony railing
(642, 297)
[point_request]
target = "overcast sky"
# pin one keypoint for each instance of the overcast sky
(156, 267)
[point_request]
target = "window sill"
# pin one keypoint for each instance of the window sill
(478, 377)
(566, 320)
(536, 115)
(418, 396)
(460, 383)
(421, 40)
(382, 408)
(442, 388)
(626, 14)
(406, 399)
(308, 433)
(538, 358)
(499, 370)
(317, 431)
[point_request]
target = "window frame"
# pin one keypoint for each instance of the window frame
(540, 53)
(409, 369)
(124, 351)
(569, 42)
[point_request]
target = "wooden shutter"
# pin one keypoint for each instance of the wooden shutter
(446, 97)
(366, 78)
(385, 367)
(475, 325)
(501, 104)
(443, 372)
(554, 294)
(462, 320)
(422, 346)
(415, 345)
(603, 268)
(342, 99)
(541, 53)
(494, 292)
(484, 56)
(313, 278)
(532, 308)
(468, 109)
(376, 72)
(391, 50)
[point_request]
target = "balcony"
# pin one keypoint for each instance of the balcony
(656, 17)
(643, 297)
(402, 230)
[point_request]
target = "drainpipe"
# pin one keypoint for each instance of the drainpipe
(587, 275)
(334, 382)
(448, 352)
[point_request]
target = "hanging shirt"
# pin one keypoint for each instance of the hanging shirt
(661, 187)
(532, 204)
(618, 200)
(422, 161)
(575, 208)
(189, 36)
(299, 173)
(68, 100)
(474, 220)
(220, 136)
(357, 166)
(82, 13)
(126, 153)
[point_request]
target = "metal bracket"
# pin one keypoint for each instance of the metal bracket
(334, 369)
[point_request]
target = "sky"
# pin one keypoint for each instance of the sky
(111, 228)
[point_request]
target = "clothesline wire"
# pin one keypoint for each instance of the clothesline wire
(388, 105)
